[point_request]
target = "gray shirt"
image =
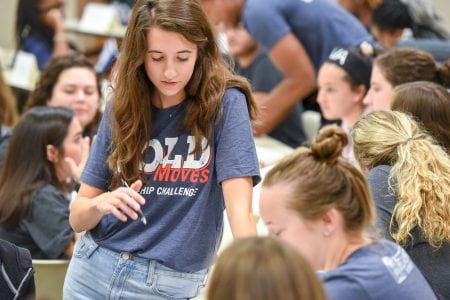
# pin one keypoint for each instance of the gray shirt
(433, 263)
(45, 231)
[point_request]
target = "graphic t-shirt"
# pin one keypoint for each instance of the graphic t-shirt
(320, 25)
(381, 270)
(184, 201)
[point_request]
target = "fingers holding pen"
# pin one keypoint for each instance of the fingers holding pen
(122, 203)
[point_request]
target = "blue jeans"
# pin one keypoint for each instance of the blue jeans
(98, 273)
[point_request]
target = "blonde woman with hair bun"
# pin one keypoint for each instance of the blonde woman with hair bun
(409, 174)
(321, 204)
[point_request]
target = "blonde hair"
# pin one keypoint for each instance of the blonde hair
(420, 174)
(322, 179)
(263, 268)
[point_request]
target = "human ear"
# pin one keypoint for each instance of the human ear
(52, 153)
(330, 221)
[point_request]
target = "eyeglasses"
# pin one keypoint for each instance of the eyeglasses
(56, 5)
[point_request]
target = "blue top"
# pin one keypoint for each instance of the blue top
(41, 50)
(434, 263)
(320, 25)
(263, 77)
(184, 200)
(382, 270)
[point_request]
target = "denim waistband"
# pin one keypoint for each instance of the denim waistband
(140, 263)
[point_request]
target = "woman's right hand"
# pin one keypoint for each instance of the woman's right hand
(121, 202)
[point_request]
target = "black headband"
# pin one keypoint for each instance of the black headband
(354, 64)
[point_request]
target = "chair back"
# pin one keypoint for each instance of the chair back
(49, 278)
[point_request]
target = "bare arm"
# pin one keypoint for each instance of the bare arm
(60, 45)
(290, 57)
(238, 202)
(92, 204)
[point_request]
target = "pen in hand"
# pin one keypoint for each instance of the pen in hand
(140, 213)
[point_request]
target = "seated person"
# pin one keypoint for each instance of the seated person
(40, 29)
(263, 268)
(413, 24)
(70, 81)
(254, 64)
(36, 175)
(343, 81)
(409, 175)
(429, 103)
(321, 204)
(17, 275)
(398, 66)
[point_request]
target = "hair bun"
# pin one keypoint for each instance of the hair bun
(328, 145)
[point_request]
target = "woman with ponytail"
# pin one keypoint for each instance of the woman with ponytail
(409, 174)
(321, 204)
(402, 65)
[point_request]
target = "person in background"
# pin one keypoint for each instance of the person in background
(17, 276)
(409, 176)
(411, 24)
(429, 103)
(361, 9)
(8, 107)
(254, 64)
(40, 29)
(343, 81)
(34, 181)
(70, 81)
(263, 268)
(175, 145)
(398, 66)
(298, 39)
(397, 20)
(321, 204)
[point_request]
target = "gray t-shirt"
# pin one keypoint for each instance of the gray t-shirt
(184, 200)
(381, 270)
(320, 25)
(45, 231)
(434, 263)
(263, 77)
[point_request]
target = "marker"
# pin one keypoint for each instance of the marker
(140, 213)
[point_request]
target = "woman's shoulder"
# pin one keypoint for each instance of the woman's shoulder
(48, 193)
(377, 172)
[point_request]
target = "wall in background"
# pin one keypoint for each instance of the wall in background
(443, 7)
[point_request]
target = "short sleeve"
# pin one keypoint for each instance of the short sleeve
(235, 147)
(48, 223)
(265, 23)
(96, 172)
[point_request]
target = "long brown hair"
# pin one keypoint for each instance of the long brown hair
(402, 65)
(49, 77)
(8, 105)
(429, 103)
(131, 117)
(26, 167)
(263, 268)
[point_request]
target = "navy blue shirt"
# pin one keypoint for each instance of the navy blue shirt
(381, 270)
(320, 25)
(184, 200)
